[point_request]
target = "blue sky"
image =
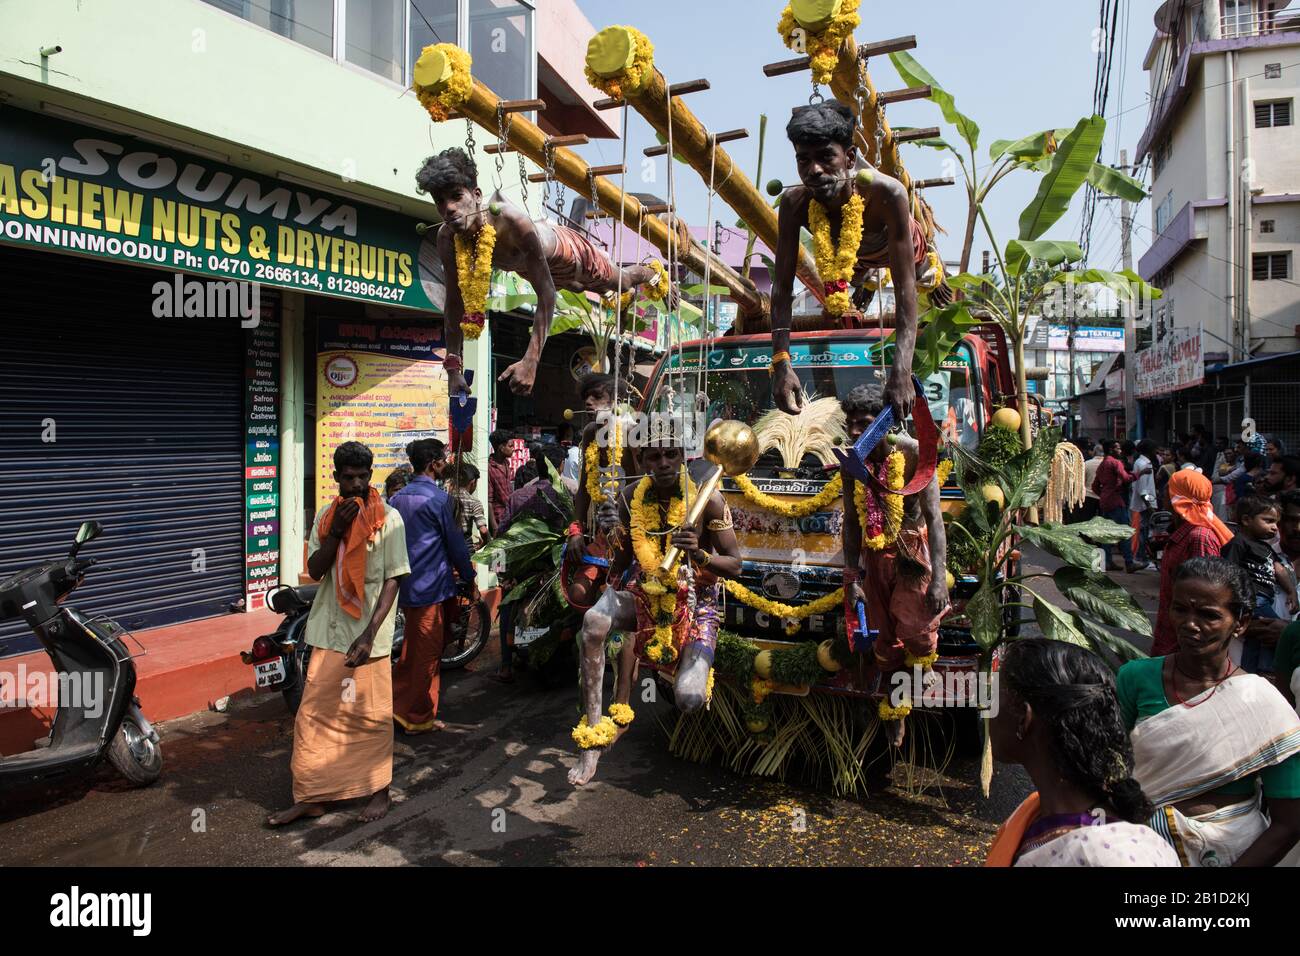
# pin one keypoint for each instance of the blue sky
(1014, 66)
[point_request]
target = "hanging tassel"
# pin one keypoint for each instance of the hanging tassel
(986, 762)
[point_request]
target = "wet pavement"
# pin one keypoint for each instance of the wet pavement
(492, 789)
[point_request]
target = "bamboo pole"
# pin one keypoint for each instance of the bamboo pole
(570, 169)
(691, 141)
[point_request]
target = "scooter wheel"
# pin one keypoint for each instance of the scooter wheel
(134, 754)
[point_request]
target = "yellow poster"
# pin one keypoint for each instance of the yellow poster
(379, 383)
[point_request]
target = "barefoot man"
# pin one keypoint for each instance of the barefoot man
(895, 554)
(476, 238)
(674, 615)
(343, 735)
(867, 217)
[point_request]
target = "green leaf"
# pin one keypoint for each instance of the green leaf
(915, 75)
(1126, 285)
(932, 142)
(1028, 149)
(1061, 541)
(1112, 182)
(1030, 470)
(769, 262)
(976, 506)
(1050, 251)
(520, 589)
(512, 301)
(970, 283)
(564, 322)
(1103, 599)
(985, 613)
(523, 541)
(1057, 624)
(562, 490)
(1069, 170)
(1102, 530)
(698, 289)
(1103, 639)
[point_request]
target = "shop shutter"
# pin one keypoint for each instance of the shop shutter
(146, 417)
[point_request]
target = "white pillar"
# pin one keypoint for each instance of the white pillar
(293, 438)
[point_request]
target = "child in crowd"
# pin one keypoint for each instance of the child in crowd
(1251, 550)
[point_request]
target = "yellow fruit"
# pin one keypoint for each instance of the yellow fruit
(1007, 418)
(825, 659)
(950, 580)
(994, 493)
(756, 726)
(763, 664)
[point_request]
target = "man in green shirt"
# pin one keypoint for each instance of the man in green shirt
(343, 735)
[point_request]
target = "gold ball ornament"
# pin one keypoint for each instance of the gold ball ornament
(994, 494)
(949, 580)
(825, 659)
(763, 665)
(1007, 418)
(494, 207)
(865, 177)
(774, 187)
(568, 414)
(733, 445)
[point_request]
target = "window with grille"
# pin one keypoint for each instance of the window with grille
(1271, 265)
(1164, 213)
(1276, 113)
(1266, 226)
(1164, 149)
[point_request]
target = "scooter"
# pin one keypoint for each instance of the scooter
(98, 715)
(280, 660)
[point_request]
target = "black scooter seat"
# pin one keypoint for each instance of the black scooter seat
(290, 600)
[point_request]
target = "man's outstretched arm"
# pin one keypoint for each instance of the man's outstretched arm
(521, 374)
(785, 383)
(902, 264)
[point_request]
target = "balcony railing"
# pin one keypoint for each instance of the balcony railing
(1258, 23)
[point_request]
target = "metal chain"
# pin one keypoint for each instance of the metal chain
(500, 157)
(469, 138)
(523, 181)
(816, 97)
(548, 157)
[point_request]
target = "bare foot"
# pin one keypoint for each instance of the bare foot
(586, 768)
(376, 808)
(295, 812)
(897, 732)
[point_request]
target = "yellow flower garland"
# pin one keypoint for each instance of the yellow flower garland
(891, 505)
(635, 76)
(602, 735)
(942, 471)
(925, 661)
(824, 47)
(440, 105)
(621, 714)
(888, 712)
(835, 262)
(591, 458)
(474, 277)
(785, 611)
(657, 287)
(660, 586)
(791, 509)
(761, 688)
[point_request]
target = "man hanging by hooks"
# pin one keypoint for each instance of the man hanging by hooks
(859, 222)
(477, 238)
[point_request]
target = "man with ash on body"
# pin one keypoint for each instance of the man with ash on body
(712, 551)
(899, 572)
(826, 159)
(547, 254)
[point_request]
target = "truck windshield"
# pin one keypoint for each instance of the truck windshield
(736, 379)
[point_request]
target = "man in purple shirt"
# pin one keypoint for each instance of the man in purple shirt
(438, 557)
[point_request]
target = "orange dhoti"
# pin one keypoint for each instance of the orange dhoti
(416, 678)
(343, 736)
(895, 586)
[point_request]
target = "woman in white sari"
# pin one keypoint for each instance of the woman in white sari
(1058, 716)
(1217, 750)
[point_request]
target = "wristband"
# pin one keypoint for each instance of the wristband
(779, 357)
(452, 363)
(575, 528)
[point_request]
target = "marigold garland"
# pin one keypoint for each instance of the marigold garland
(621, 714)
(631, 80)
(888, 712)
(791, 509)
(441, 104)
(659, 586)
(942, 471)
(787, 612)
(925, 661)
(823, 48)
(596, 487)
(474, 278)
(891, 507)
(602, 735)
(835, 261)
(761, 688)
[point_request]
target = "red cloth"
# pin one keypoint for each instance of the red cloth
(1187, 541)
(416, 678)
(1111, 483)
(896, 604)
(499, 489)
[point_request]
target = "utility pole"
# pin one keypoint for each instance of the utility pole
(1130, 325)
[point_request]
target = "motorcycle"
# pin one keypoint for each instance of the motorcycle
(280, 659)
(98, 715)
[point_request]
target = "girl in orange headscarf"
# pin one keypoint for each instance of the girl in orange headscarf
(1196, 532)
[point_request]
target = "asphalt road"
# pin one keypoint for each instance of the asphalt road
(492, 789)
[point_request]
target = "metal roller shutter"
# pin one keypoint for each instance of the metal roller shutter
(148, 440)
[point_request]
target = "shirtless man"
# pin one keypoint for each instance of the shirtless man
(826, 158)
(713, 552)
(904, 584)
(547, 254)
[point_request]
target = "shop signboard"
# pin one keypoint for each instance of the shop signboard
(1173, 363)
(72, 188)
(261, 458)
(381, 383)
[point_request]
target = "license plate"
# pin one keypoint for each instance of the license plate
(527, 635)
(269, 673)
